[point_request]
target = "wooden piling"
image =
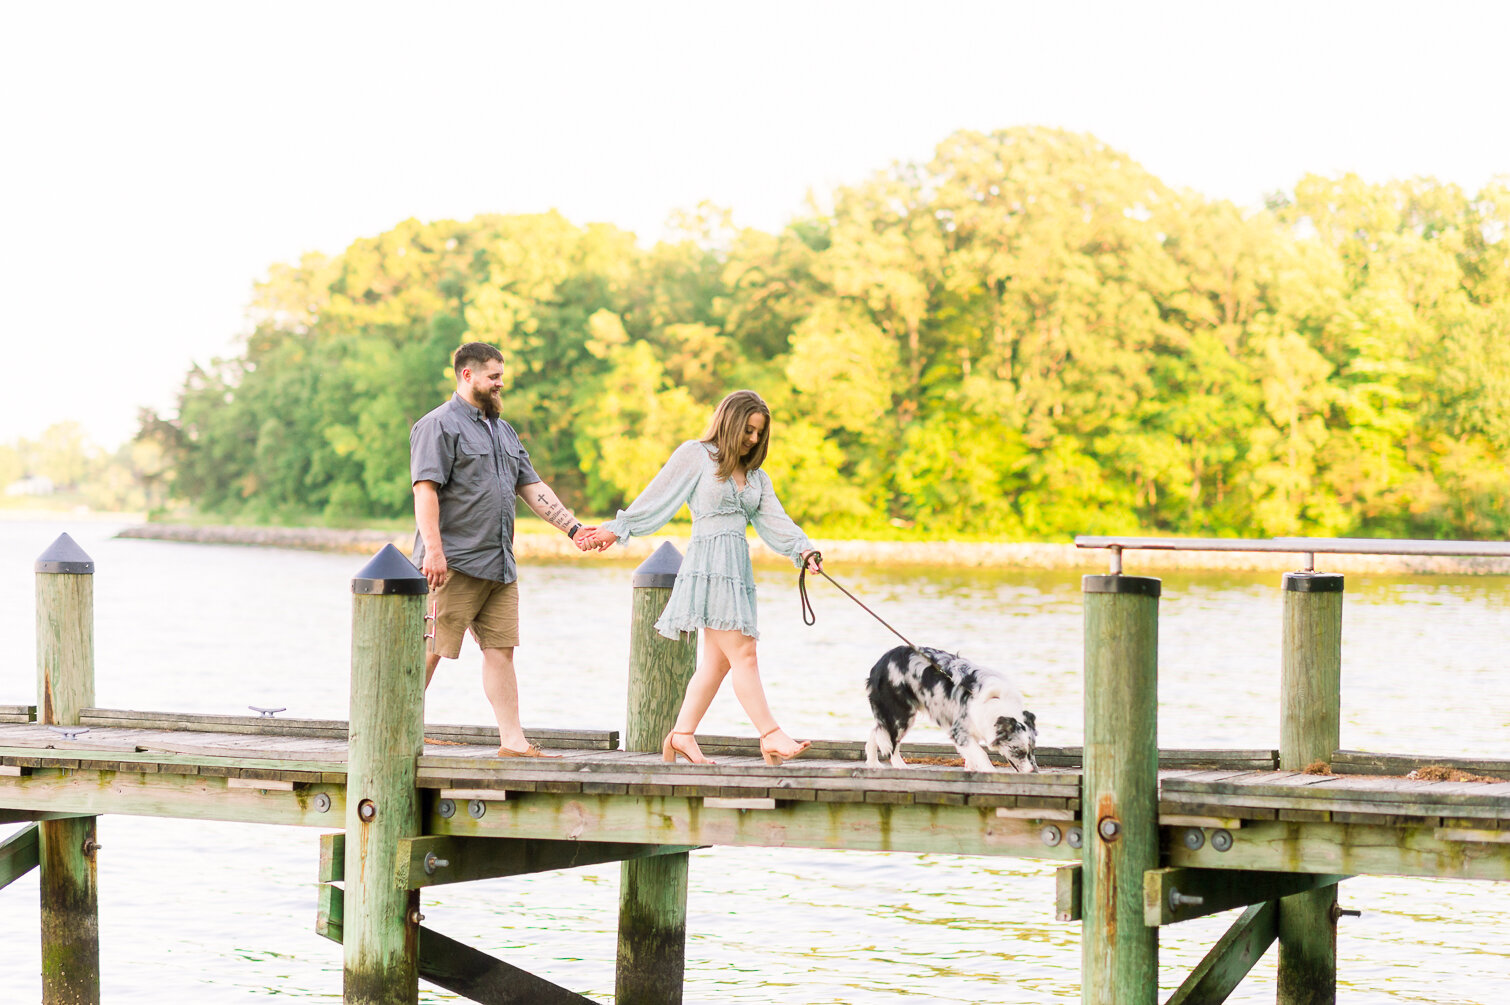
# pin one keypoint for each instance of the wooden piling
(1119, 804)
(66, 848)
(653, 891)
(381, 916)
(1309, 731)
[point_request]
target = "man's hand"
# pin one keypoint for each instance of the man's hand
(434, 568)
(813, 560)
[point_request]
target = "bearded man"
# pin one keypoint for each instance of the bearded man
(467, 464)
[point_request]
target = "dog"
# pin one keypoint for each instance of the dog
(977, 705)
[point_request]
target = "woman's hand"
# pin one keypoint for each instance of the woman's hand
(813, 560)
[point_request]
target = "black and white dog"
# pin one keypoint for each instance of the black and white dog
(977, 705)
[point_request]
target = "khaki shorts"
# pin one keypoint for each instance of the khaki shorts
(489, 608)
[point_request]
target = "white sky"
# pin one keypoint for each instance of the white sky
(155, 158)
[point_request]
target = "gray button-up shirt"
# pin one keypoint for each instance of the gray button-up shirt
(480, 466)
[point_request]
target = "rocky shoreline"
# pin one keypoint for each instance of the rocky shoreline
(958, 554)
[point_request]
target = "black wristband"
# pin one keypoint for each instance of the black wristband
(572, 534)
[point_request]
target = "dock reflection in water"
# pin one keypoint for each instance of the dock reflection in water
(221, 913)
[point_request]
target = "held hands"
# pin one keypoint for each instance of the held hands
(595, 538)
(813, 561)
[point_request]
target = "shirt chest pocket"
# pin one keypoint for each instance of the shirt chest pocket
(474, 460)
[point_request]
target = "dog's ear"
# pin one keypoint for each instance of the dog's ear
(1006, 728)
(1030, 719)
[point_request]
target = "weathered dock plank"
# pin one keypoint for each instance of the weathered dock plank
(335, 729)
(1370, 763)
(163, 794)
(1349, 849)
(962, 830)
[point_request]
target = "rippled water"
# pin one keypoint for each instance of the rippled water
(209, 913)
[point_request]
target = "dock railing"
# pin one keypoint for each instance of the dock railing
(1310, 547)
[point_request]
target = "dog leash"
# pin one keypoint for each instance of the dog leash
(810, 617)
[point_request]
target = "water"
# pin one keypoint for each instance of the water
(211, 913)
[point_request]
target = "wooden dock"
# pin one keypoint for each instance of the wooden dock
(1179, 834)
(251, 770)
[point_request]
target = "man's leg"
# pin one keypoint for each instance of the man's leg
(432, 660)
(502, 690)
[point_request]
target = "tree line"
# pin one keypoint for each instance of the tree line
(1027, 336)
(65, 469)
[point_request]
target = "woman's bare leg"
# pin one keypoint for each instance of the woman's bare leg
(701, 690)
(739, 655)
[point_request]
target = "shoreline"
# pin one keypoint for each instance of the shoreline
(955, 554)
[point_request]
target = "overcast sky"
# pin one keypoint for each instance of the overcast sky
(155, 158)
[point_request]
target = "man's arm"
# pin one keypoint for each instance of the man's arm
(539, 497)
(427, 518)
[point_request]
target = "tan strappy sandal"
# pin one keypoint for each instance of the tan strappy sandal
(669, 750)
(774, 759)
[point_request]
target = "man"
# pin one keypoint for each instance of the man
(467, 464)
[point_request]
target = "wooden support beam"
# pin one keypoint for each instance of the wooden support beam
(653, 892)
(34, 816)
(1348, 849)
(1119, 956)
(332, 857)
(382, 805)
(1068, 891)
(330, 912)
(458, 968)
(468, 859)
(472, 858)
(79, 792)
(66, 847)
(1309, 731)
(1171, 895)
(18, 855)
(1235, 953)
(683, 820)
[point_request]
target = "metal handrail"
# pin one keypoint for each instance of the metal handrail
(1307, 546)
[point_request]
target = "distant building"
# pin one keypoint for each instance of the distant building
(31, 485)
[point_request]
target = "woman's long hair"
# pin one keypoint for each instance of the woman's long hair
(726, 432)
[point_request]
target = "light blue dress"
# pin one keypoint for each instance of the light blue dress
(715, 587)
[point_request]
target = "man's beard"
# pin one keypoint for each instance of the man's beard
(491, 406)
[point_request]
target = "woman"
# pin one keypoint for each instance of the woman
(719, 478)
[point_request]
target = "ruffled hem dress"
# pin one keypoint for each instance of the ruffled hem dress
(715, 587)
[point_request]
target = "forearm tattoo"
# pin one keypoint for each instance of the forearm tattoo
(553, 512)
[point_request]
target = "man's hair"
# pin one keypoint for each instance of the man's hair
(472, 355)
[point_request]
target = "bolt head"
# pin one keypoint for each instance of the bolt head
(1109, 829)
(1193, 838)
(446, 808)
(1074, 838)
(367, 810)
(1221, 840)
(1051, 835)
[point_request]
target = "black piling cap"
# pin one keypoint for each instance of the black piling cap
(660, 568)
(65, 555)
(390, 573)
